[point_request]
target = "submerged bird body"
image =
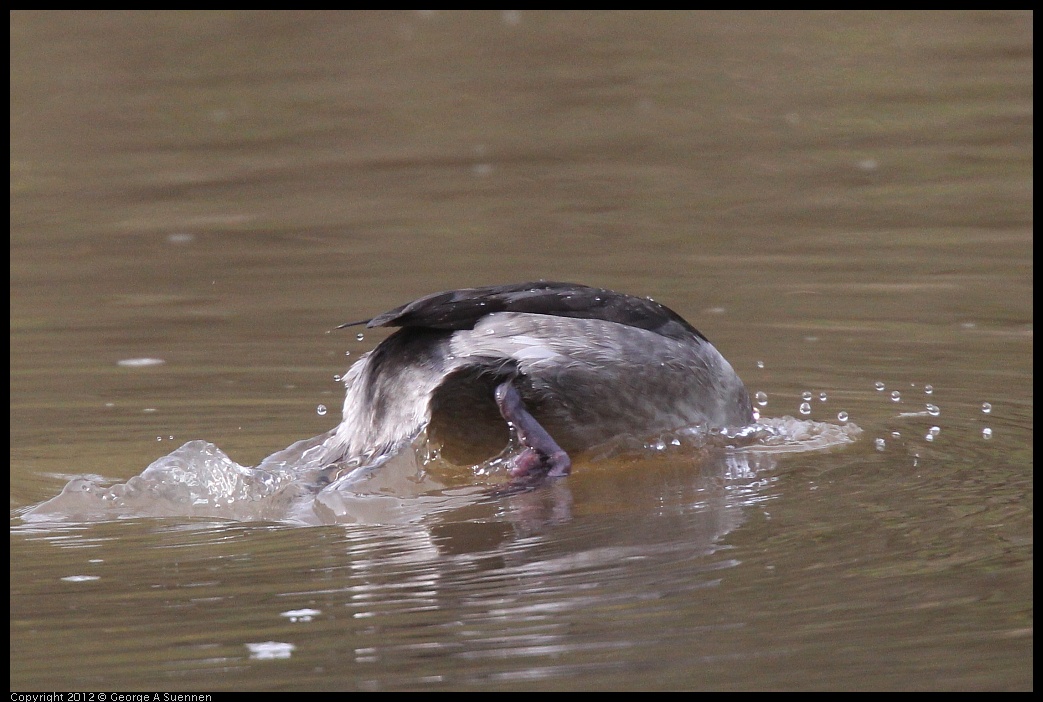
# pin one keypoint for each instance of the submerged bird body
(567, 366)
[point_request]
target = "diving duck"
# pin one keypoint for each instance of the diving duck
(564, 366)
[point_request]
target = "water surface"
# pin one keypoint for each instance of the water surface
(836, 200)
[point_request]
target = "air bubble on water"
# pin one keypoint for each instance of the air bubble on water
(321, 410)
(842, 416)
(986, 407)
(301, 615)
(805, 408)
(879, 386)
(761, 397)
(933, 410)
(896, 396)
(140, 362)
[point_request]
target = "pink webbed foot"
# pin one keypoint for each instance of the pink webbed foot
(541, 455)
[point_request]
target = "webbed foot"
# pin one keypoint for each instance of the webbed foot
(541, 455)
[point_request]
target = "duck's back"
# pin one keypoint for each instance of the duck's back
(589, 364)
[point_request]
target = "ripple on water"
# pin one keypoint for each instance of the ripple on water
(298, 485)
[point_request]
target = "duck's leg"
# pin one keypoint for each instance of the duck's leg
(541, 451)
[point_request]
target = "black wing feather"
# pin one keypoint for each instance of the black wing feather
(461, 309)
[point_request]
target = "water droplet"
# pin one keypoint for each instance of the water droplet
(880, 444)
(842, 416)
(986, 407)
(806, 396)
(896, 435)
(159, 438)
(805, 408)
(337, 378)
(896, 396)
(347, 353)
(986, 433)
(822, 397)
(360, 336)
(321, 410)
(761, 397)
(760, 364)
(928, 389)
(879, 386)
(933, 410)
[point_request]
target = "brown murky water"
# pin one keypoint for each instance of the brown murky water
(837, 200)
